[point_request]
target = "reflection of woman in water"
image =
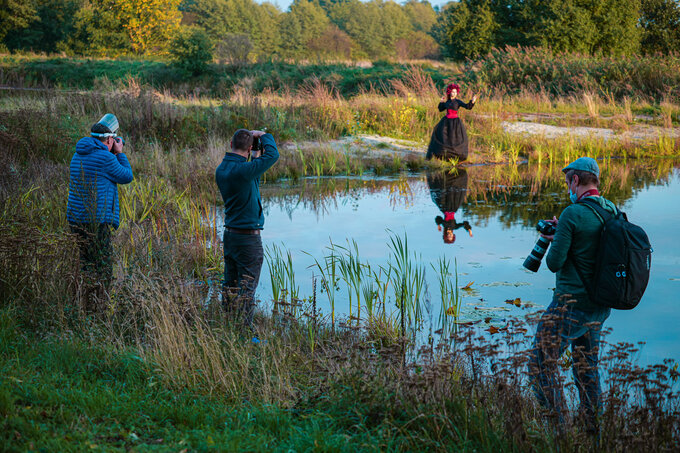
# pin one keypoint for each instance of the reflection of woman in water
(449, 139)
(448, 191)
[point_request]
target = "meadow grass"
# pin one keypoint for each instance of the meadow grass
(161, 367)
(182, 140)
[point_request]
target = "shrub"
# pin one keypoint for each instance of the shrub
(192, 50)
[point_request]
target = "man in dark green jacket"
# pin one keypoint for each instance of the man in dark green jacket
(572, 318)
(238, 178)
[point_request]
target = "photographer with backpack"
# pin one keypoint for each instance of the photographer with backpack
(597, 268)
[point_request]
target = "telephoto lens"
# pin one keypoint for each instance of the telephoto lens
(533, 261)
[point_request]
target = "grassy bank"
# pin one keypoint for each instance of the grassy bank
(64, 393)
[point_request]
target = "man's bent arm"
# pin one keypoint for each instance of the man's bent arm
(559, 249)
(119, 169)
(256, 167)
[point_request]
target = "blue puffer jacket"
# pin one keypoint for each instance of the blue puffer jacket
(95, 175)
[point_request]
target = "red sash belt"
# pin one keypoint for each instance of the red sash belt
(452, 114)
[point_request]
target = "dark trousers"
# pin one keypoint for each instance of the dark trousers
(562, 326)
(243, 257)
(94, 245)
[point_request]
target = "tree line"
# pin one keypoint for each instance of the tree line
(245, 30)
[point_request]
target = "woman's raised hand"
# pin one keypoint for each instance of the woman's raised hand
(474, 98)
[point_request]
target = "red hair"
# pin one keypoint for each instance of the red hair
(451, 87)
(449, 240)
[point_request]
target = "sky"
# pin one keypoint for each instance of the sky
(284, 4)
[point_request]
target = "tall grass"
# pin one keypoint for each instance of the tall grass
(165, 326)
(164, 334)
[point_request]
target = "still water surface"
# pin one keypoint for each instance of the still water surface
(495, 209)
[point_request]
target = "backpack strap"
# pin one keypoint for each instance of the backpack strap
(604, 215)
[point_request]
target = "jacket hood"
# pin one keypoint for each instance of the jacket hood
(88, 145)
(608, 205)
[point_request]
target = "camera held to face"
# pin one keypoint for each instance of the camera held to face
(257, 144)
(533, 261)
(118, 139)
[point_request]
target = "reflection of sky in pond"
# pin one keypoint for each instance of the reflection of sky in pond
(492, 258)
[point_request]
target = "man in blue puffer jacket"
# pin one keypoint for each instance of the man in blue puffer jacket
(97, 167)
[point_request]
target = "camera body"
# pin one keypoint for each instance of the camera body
(546, 228)
(257, 144)
(118, 139)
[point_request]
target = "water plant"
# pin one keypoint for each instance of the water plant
(329, 277)
(449, 293)
(408, 278)
(352, 271)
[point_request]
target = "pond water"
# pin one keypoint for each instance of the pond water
(495, 209)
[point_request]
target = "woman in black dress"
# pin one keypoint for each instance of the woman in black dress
(449, 139)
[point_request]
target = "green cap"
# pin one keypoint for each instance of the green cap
(584, 164)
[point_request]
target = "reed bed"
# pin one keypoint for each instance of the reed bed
(182, 139)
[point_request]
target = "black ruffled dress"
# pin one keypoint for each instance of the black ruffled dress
(449, 138)
(449, 191)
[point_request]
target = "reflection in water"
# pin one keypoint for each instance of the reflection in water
(503, 203)
(448, 190)
(515, 194)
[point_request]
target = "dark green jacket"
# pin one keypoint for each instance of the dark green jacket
(575, 245)
(239, 183)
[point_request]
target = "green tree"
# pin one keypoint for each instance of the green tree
(660, 26)
(150, 24)
(513, 26)
(220, 18)
(50, 28)
(563, 25)
(302, 25)
(617, 25)
(366, 25)
(607, 26)
(421, 14)
(333, 43)
(417, 44)
(192, 50)
(466, 29)
(396, 24)
(15, 15)
(97, 31)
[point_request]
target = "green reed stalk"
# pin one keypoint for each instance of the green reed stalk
(276, 271)
(303, 161)
(329, 277)
(292, 287)
(351, 270)
(369, 293)
(383, 285)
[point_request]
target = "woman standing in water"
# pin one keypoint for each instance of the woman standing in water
(449, 139)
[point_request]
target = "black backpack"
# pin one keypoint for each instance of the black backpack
(622, 263)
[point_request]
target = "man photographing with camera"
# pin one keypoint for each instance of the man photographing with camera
(97, 167)
(572, 318)
(238, 178)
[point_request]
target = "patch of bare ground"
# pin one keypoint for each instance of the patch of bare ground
(364, 145)
(636, 133)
